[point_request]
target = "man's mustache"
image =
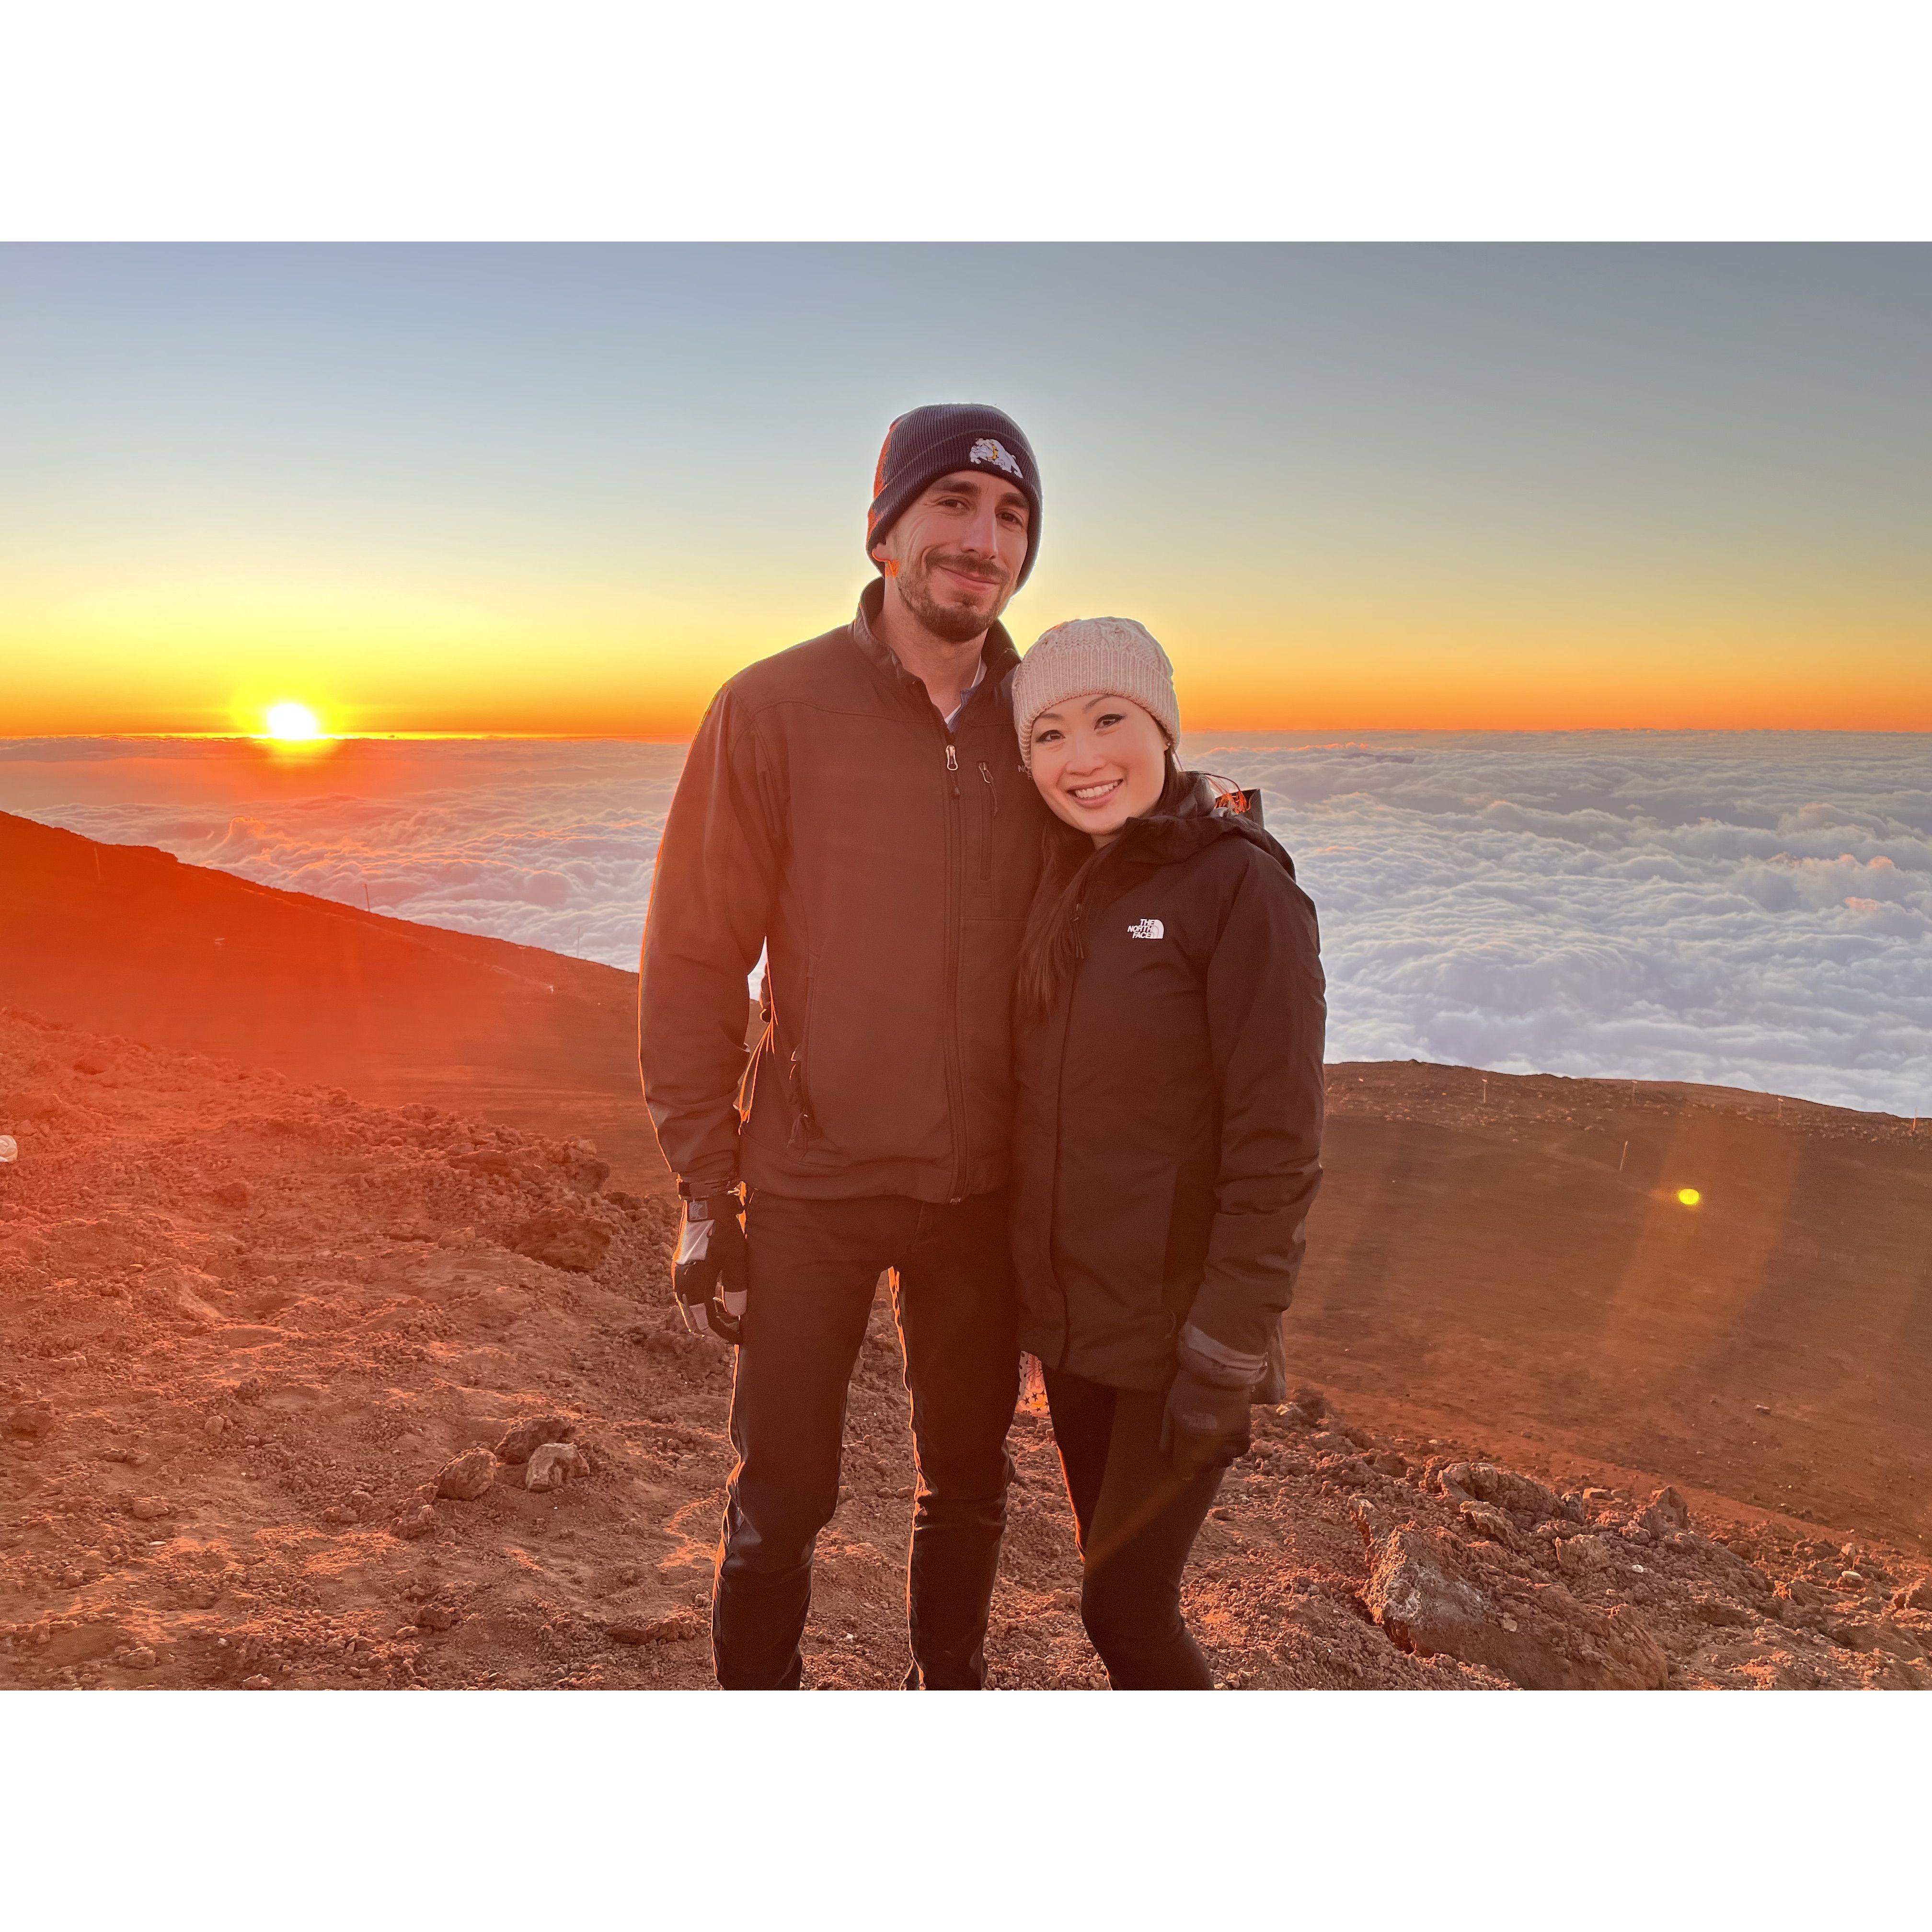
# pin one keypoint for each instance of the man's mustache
(966, 567)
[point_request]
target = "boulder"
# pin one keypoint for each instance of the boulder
(554, 1464)
(467, 1477)
(1486, 1520)
(1429, 1598)
(521, 1438)
(1521, 1495)
(1668, 1513)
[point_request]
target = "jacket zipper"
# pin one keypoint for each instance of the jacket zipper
(956, 1085)
(1059, 1097)
(989, 800)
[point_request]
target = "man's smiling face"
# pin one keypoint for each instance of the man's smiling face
(956, 553)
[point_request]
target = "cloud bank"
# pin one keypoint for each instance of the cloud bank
(1750, 910)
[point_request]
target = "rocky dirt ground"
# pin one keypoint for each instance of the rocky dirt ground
(299, 1392)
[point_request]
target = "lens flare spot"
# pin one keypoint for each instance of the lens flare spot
(1689, 1196)
(292, 723)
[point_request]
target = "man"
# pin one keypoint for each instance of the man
(854, 807)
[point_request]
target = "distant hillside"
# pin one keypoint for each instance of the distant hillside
(124, 939)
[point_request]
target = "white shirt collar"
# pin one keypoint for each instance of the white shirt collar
(978, 677)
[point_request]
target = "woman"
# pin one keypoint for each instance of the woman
(1168, 1032)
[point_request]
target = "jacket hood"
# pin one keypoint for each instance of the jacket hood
(1209, 808)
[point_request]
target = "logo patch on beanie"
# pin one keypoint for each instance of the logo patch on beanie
(988, 449)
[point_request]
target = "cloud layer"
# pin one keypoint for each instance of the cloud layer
(1754, 910)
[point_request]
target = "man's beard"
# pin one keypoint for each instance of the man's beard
(958, 624)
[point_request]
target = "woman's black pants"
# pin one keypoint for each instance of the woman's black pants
(1136, 1521)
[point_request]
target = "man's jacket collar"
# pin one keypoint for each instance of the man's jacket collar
(997, 656)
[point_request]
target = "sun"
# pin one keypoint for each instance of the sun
(292, 723)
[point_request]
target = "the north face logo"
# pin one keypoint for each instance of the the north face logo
(987, 450)
(1146, 928)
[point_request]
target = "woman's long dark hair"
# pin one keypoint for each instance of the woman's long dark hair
(1050, 949)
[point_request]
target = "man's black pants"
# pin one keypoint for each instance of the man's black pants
(1136, 1521)
(814, 1267)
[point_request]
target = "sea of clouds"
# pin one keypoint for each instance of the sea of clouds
(1751, 909)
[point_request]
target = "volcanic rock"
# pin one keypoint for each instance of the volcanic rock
(1719, 1611)
(467, 1477)
(1668, 1513)
(554, 1464)
(561, 1240)
(582, 1169)
(676, 1628)
(521, 1438)
(31, 1419)
(1486, 1520)
(437, 1617)
(1484, 1482)
(148, 1509)
(1422, 1591)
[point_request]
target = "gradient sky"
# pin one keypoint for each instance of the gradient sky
(562, 489)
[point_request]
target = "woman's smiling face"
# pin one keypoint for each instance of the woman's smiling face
(1098, 761)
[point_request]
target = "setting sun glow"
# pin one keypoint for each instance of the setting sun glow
(292, 723)
(1689, 1196)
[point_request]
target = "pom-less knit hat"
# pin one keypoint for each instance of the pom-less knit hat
(1088, 656)
(925, 444)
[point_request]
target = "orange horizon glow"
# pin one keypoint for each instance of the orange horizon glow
(589, 666)
(1211, 703)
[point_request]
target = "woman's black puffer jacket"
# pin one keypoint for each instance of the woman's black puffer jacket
(1167, 1146)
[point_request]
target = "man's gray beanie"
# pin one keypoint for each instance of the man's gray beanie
(1086, 656)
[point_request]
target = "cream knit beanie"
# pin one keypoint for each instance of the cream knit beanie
(1089, 654)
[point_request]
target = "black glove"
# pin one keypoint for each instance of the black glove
(1205, 1427)
(708, 1276)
